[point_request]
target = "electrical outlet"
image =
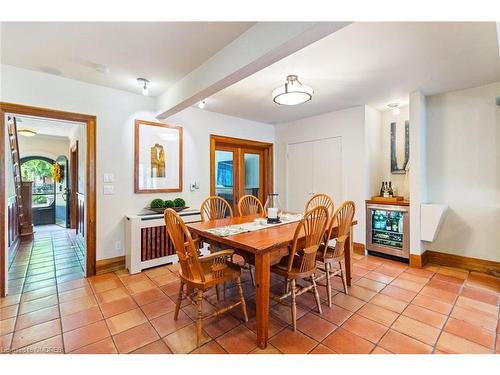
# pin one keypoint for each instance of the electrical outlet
(118, 245)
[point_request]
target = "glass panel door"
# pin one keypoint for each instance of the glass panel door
(387, 228)
(251, 176)
(225, 175)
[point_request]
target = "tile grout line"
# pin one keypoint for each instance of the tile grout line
(399, 314)
(449, 314)
(22, 292)
(29, 264)
(51, 241)
(57, 294)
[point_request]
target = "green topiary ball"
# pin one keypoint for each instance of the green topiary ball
(168, 204)
(157, 203)
(179, 202)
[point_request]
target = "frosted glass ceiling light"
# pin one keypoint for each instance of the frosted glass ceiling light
(292, 92)
(395, 108)
(26, 132)
(144, 83)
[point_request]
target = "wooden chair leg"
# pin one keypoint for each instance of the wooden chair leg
(251, 275)
(217, 291)
(242, 299)
(342, 276)
(199, 317)
(316, 294)
(328, 284)
(287, 285)
(179, 301)
(294, 305)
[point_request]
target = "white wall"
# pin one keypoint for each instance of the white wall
(349, 124)
(115, 111)
(43, 145)
(400, 182)
(463, 170)
(374, 152)
(418, 167)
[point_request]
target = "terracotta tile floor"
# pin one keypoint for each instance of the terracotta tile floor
(391, 308)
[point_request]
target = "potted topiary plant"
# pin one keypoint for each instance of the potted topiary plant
(169, 204)
(179, 204)
(157, 205)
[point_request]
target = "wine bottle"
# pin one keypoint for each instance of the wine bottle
(395, 224)
(385, 193)
(391, 192)
(388, 224)
(382, 189)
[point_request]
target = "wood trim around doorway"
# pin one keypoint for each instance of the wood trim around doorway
(73, 185)
(90, 193)
(267, 172)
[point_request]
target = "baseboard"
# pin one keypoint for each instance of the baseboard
(471, 264)
(110, 265)
(358, 248)
(418, 260)
(14, 247)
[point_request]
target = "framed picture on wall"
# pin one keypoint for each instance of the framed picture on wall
(158, 157)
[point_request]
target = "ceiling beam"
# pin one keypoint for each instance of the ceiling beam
(260, 46)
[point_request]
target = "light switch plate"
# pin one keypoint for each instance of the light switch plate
(109, 177)
(109, 189)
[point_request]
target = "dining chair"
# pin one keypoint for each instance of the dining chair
(333, 255)
(215, 207)
(300, 264)
(200, 273)
(320, 199)
(250, 205)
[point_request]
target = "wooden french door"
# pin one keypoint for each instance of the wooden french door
(239, 167)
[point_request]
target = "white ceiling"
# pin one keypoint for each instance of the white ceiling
(162, 52)
(55, 128)
(370, 63)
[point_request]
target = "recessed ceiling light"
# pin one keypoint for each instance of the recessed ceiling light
(202, 104)
(101, 68)
(26, 132)
(144, 84)
(292, 92)
(395, 108)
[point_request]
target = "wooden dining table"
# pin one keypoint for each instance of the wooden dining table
(267, 246)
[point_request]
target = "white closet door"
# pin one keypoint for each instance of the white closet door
(299, 175)
(327, 168)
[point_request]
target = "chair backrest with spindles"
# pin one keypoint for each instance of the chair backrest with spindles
(343, 217)
(250, 205)
(312, 227)
(214, 208)
(321, 200)
(184, 246)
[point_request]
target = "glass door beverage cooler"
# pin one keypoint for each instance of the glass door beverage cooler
(388, 229)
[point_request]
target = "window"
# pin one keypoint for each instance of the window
(40, 172)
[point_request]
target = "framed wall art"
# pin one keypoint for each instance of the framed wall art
(158, 157)
(402, 152)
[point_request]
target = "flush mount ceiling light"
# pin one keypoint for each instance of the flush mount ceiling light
(201, 104)
(26, 132)
(144, 84)
(292, 92)
(395, 108)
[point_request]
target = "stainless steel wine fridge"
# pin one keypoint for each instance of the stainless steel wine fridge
(388, 229)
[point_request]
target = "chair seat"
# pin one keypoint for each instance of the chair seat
(231, 272)
(329, 256)
(281, 268)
